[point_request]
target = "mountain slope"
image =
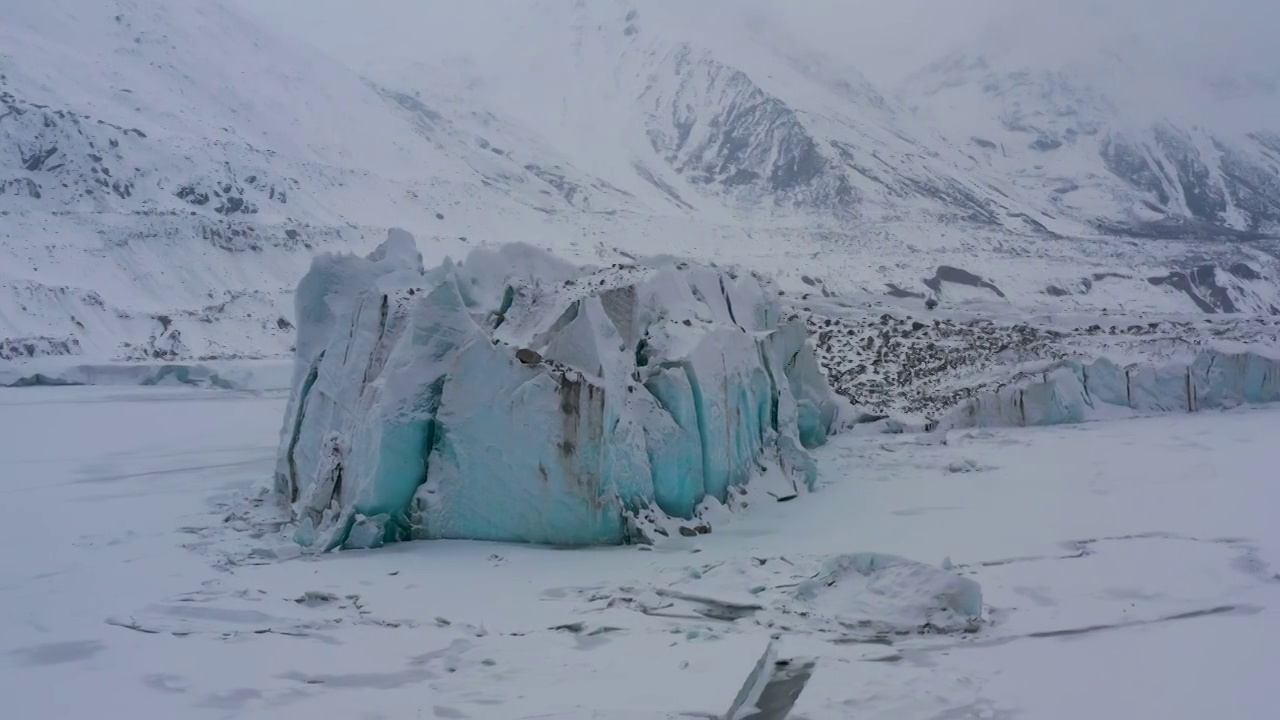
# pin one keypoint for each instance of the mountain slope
(167, 169)
(1114, 119)
(165, 141)
(743, 112)
(710, 104)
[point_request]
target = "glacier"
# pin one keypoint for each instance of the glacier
(516, 397)
(256, 375)
(1073, 391)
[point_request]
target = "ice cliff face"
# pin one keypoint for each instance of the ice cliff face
(1073, 392)
(516, 397)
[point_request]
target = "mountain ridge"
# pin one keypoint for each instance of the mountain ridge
(198, 155)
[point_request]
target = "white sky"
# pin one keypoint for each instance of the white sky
(889, 39)
(885, 39)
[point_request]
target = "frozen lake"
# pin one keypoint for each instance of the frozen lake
(1128, 568)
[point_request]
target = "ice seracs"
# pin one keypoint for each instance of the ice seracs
(517, 397)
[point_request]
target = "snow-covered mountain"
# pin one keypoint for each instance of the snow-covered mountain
(1109, 121)
(723, 113)
(168, 168)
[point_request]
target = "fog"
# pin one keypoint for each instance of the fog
(885, 40)
(888, 41)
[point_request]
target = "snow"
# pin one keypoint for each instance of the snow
(169, 171)
(516, 397)
(1136, 558)
(197, 164)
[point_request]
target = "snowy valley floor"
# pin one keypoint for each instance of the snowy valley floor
(1129, 570)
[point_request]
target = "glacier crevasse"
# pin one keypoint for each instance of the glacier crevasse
(517, 397)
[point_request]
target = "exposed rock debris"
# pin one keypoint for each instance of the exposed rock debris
(900, 365)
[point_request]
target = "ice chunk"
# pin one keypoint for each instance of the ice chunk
(1222, 379)
(1106, 382)
(860, 585)
(1058, 397)
(863, 594)
(1075, 392)
(516, 397)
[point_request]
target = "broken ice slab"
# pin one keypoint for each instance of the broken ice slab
(861, 586)
(844, 598)
(516, 397)
(563, 677)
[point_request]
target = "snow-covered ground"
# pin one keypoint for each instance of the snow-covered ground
(1127, 570)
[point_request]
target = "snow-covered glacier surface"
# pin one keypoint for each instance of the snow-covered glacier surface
(517, 397)
(1074, 391)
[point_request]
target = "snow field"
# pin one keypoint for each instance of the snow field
(1134, 558)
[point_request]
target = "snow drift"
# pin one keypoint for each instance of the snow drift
(1073, 391)
(516, 397)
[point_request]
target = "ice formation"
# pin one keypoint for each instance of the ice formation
(1073, 391)
(857, 587)
(863, 595)
(256, 375)
(516, 397)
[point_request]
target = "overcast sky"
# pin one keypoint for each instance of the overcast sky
(888, 39)
(885, 39)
